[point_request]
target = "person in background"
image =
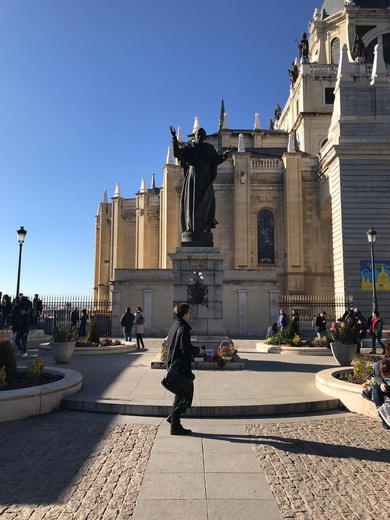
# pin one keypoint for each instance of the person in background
(74, 318)
(282, 320)
(272, 330)
(6, 310)
(127, 320)
(320, 325)
(382, 388)
(139, 327)
(22, 329)
(36, 311)
(294, 322)
(83, 323)
(375, 326)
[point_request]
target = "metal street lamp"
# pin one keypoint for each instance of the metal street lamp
(371, 236)
(21, 236)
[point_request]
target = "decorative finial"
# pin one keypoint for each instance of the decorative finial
(105, 196)
(153, 185)
(117, 190)
(169, 156)
(241, 147)
(257, 122)
(143, 186)
(196, 124)
(225, 125)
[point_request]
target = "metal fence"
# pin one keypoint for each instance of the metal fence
(308, 306)
(56, 311)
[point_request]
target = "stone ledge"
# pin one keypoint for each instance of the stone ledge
(44, 349)
(125, 407)
(298, 351)
(238, 364)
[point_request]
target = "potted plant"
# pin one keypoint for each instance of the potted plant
(343, 340)
(226, 350)
(63, 344)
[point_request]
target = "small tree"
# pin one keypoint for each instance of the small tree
(35, 371)
(93, 333)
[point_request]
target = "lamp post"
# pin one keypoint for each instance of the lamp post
(21, 236)
(371, 235)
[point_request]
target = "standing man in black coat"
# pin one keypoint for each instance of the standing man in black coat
(127, 321)
(180, 352)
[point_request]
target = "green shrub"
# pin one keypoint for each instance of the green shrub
(297, 341)
(293, 328)
(93, 334)
(3, 384)
(164, 350)
(63, 336)
(285, 337)
(363, 367)
(8, 362)
(35, 371)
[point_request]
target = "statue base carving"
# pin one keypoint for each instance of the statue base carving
(197, 239)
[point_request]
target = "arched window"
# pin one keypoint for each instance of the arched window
(335, 51)
(265, 238)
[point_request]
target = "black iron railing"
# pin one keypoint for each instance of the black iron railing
(56, 311)
(309, 306)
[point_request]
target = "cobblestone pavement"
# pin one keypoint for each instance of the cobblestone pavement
(61, 467)
(332, 469)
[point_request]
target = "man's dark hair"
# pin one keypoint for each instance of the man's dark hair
(180, 310)
(384, 368)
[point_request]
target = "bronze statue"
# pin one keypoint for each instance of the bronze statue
(303, 47)
(294, 72)
(199, 161)
(359, 49)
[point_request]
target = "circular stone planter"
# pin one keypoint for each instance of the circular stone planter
(44, 349)
(39, 400)
(350, 394)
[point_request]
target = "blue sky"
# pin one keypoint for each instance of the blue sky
(88, 89)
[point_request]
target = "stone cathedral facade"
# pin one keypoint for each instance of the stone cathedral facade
(294, 200)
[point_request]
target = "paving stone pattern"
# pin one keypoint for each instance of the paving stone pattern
(333, 469)
(53, 468)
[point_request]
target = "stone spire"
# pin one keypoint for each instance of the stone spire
(225, 125)
(241, 147)
(221, 116)
(196, 124)
(379, 71)
(105, 196)
(153, 185)
(346, 68)
(257, 122)
(179, 134)
(117, 190)
(169, 156)
(143, 186)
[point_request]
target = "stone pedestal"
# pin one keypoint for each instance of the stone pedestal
(206, 320)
